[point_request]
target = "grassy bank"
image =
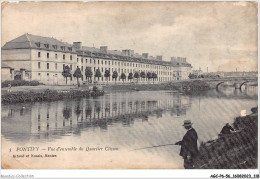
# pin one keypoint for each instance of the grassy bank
(183, 86)
(47, 95)
(19, 83)
(234, 151)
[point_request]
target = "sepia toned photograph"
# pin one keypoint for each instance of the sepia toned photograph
(129, 85)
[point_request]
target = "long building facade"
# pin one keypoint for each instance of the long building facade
(31, 57)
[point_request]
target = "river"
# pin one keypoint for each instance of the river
(123, 121)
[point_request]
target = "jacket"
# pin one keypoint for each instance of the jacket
(189, 144)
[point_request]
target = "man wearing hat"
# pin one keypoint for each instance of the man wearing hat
(189, 148)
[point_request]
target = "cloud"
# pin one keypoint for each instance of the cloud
(209, 34)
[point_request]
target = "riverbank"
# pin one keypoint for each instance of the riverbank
(237, 150)
(47, 95)
(185, 86)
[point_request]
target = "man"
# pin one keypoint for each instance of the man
(227, 129)
(189, 148)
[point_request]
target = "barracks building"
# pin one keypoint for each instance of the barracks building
(31, 57)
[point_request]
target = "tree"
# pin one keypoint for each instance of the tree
(142, 75)
(66, 72)
(115, 75)
(192, 76)
(149, 75)
(123, 77)
(154, 76)
(98, 74)
(130, 76)
(107, 74)
(136, 75)
(66, 113)
(88, 73)
(77, 74)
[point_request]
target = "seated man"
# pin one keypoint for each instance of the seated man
(227, 129)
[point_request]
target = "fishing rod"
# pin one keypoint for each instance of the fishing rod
(154, 146)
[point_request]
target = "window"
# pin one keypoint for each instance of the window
(108, 62)
(48, 66)
(54, 46)
(48, 55)
(70, 48)
(77, 59)
(56, 56)
(81, 60)
(98, 62)
(70, 67)
(112, 62)
(115, 63)
(105, 62)
(39, 54)
(89, 60)
(62, 48)
(46, 45)
(39, 65)
(63, 66)
(81, 68)
(94, 61)
(70, 57)
(56, 66)
(63, 57)
(38, 44)
(86, 60)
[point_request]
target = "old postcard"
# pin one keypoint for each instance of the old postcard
(129, 85)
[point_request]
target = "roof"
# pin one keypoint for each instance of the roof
(29, 41)
(118, 55)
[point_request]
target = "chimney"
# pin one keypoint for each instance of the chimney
(103, 49)
(145, 55)
(128, 52)
(132, 52)
(173, 59)
(77, 45)
(159, 58)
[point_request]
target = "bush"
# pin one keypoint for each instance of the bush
(46, 95)
(20, 83)
(95, 88)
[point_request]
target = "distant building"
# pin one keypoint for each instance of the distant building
(183, 68)
(43, 59)
(237, 74)
(197, 72)
(7, 73)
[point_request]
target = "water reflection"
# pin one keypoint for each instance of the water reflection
(52, 120)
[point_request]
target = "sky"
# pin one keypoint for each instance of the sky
(219, 35)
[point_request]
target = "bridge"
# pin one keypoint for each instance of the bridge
(237, 82)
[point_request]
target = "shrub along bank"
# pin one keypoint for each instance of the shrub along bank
(47, 95)
(182, 86)
(237, 150)
(20, 83)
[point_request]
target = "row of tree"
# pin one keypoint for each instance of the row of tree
(88, 73)
(194, 76)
